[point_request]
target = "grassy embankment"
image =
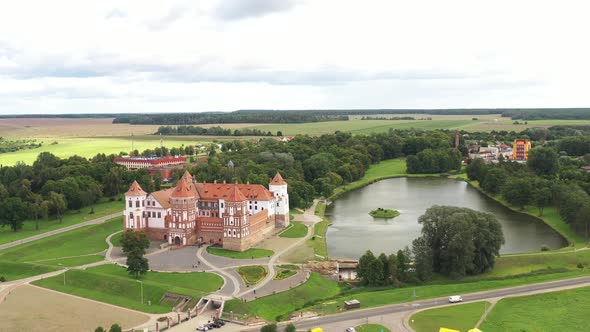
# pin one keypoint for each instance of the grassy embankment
(101, 209)
(252, 274)
(295, 230)
(78, 247)
(284, 274)
(248, 254)
(460, 317)
(556, 311)
(282, 304)
(112, 284)
(372, 328)
(318, 240)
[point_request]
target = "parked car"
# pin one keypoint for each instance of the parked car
(350, 329)
(220, 322)
(202, 328)
(455, 299)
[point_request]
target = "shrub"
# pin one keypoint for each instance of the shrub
(2, 278)
(99, 329)
(115, 328)
(580, 266)
(544, 247)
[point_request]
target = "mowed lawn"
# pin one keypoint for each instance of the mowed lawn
(247, 254)
(282, 304)
(252, 274)
(71, 217)
(296, 230)
(83, 241)
(372, 328)
(382, 170)
(318, 241)
(460, 317)
(111, 284)
(557, 311)
(13, 271)
(90, 146)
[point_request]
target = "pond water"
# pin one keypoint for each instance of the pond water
(353, 231)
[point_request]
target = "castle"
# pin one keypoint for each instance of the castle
(236, 216)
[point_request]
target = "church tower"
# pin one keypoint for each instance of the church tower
(279, 187)
(182, 220)
(134, 215)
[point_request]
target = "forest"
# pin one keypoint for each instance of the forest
(211, 131)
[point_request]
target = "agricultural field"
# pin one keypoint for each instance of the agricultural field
(111, 284)
(104, 208)
(557, 311)
(460, 317)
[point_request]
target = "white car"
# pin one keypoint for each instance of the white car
(202, 328)
(350, 329)
(455, 299)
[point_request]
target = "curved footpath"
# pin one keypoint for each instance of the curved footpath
(59, 231)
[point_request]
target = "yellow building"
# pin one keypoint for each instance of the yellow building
(520, 149)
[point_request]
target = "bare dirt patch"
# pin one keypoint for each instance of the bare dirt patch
(30, 308)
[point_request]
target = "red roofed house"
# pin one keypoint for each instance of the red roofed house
(237, 216)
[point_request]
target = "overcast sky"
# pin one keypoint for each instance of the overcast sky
(191, 56)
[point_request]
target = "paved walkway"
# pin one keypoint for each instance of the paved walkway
(58, 231)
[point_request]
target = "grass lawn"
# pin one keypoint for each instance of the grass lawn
(82, 241)
(284, 274)
(112, 284)
(117, 239)
(252, 274)
(278, 306)
(557, 311)
(460, 317)
(72, 217)
(296, 230)
(248, 254)
(13, 271)
(377, 298)
(372, 328)
(73, 261)
(382, 170)
(318, 241)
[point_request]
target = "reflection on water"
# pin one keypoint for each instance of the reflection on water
(354, 231)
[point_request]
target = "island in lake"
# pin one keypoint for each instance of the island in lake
(384, 213)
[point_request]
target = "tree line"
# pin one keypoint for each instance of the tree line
(547, 179)
(211, 131)
(13, 145)
(233, 117)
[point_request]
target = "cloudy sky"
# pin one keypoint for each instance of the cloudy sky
(191, 56)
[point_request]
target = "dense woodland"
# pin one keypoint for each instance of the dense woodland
(211, 131)
(233, 117)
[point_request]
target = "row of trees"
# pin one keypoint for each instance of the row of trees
(12, 145)
(233, 117)
(385, 270)
(211, 131)
(434, 161)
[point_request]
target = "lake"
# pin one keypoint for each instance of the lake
(353, 231)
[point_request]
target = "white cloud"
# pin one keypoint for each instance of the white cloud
(138, 56)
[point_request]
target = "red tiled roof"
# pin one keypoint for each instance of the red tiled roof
(183, 189)
(232, 192)
(278, 180)
(152, 161)
(255, 192)
(235, 195)
(135, 190)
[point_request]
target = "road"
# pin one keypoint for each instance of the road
(408, 307)
(60, 230)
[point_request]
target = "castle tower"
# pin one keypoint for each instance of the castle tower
(182, 220)
(134, 215)
(279, 187)
(235, 221)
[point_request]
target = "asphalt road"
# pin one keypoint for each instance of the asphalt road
(431, 303)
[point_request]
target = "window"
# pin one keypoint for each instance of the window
(136, 203)
(143, 203)
(222, 205)
(159, 215)
(130, 203)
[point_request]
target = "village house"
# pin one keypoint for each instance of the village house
(234, 216)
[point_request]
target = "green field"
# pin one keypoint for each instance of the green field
(281, 304)
(90, 146)
(70, 218)
(557, 311)
(296, 230)
(252, 274)
(83, 241)
(318, 241)
(13, 271)
(247, 254)
(460, 317)
(372, 328)
(111, 284)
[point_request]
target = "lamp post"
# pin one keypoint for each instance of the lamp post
(141, 285)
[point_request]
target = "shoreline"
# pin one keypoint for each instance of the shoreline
(572, 242)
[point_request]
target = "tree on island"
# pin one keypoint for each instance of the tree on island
(134, 245)
(456, 242)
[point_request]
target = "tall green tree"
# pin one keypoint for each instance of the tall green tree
(543, 161)
(13, 211)
(137, 265)
(423, 262)
(58, 204)
(518, 191)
